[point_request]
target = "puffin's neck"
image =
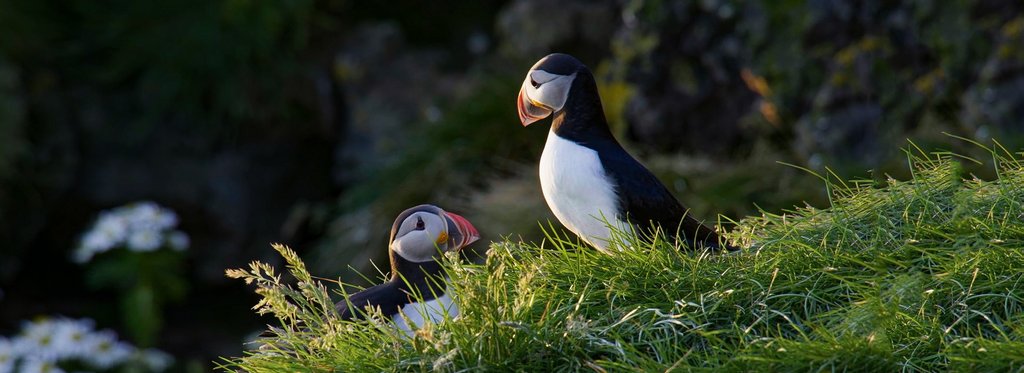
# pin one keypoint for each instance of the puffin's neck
(426, 278)
(582, 117)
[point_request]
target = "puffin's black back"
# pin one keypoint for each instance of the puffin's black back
(643, 199)
(424, 279)
(647, 206)
(386, 296)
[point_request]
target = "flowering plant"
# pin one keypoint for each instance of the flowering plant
(137, 251)
(55, 344)
(140, 227)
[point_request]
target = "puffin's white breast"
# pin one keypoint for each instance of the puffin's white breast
(578, 191)
(419, 313)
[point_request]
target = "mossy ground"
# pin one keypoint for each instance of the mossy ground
(917, 275)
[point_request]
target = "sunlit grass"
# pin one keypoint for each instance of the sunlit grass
(917, 275)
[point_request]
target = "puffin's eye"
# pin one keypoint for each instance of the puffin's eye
(534, 83)
(419, 224)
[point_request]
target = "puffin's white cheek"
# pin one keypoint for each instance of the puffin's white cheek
(553, 94)
(532, 93)
(528, 87)
(416, 246)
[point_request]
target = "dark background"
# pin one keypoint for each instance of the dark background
(313, 123)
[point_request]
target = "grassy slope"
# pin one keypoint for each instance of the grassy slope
(917, 275)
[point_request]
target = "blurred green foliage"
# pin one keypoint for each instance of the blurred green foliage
(145, 282)
(220, 62)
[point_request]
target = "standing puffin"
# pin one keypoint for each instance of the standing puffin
(417, 289)
(589, 180)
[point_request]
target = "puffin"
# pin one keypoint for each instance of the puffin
(416, 291)
(589, 181)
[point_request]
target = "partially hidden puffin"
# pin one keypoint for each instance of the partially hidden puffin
(589, 181)
(417, 290)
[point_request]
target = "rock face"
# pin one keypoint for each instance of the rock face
(685, 60)
(388, 87)
(994, 106)
(837, 83)
(530, 29)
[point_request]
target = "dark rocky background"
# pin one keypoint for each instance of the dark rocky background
(313, 123)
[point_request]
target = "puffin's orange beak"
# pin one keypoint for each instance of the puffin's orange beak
(529, 112)
(467, 232)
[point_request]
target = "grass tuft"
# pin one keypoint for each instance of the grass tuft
(916, 275)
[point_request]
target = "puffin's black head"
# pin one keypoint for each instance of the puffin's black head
(420, 233)
(547, 86)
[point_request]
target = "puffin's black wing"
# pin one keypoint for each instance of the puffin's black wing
(387, 296)
(645, 201)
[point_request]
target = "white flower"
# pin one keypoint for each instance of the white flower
(177, 240)
(97, 241)
(69, 337)
(92, 243)
(47, 341)
(149, 215)
(37, 340)
(156, 360)
(167, 219)
(110, 230)
(113, 226)
(54, 339)
(141, 226)
(145, 240)
(31, 365)
(141, 213)
(104, 351)
(81, 255)
(7, 355)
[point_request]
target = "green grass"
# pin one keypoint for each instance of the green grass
(918, 275)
